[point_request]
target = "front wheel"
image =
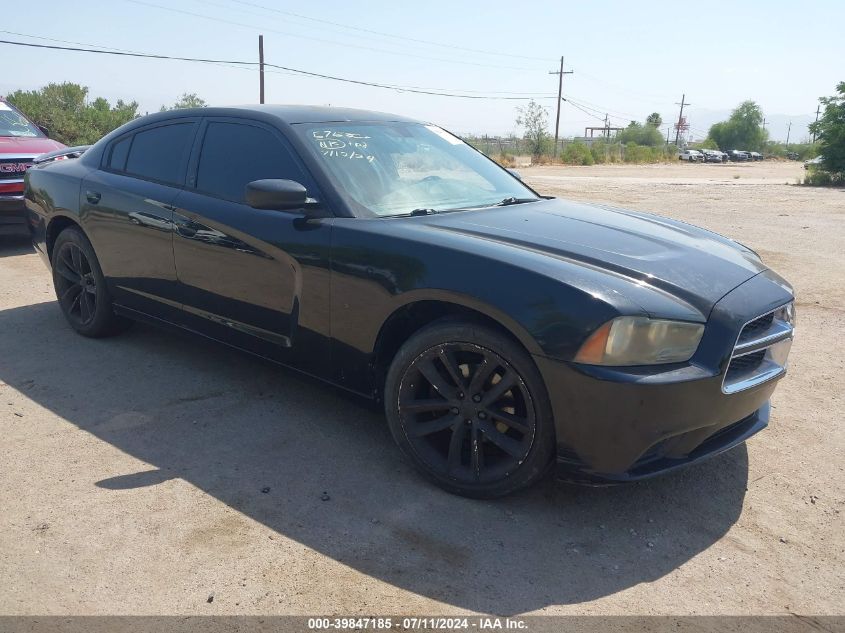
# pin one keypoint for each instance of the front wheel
(468, 406)
(81, 288)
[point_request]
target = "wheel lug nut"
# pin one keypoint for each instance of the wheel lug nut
(460, 396)
(482, 415)
(454, 409)
(476, 398)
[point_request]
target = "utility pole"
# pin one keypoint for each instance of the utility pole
(560, 73)
(606, 127)
(260, 69)
(788, 130)
(680, 116)
(818, 109)
(667, 135)
(763, 149)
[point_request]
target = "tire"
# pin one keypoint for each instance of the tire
(81, 288)
(468, 434)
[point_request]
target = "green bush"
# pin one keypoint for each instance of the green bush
(604, 152)
(818, 177)
(577, 153)
(640, 135)
(639, 154)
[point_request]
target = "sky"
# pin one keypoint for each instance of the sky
(628, 58)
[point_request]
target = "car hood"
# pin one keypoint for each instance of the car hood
(27, 145)
(690, 263)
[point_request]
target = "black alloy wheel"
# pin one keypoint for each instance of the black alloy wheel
(471, 411)
(76, 285)
(81, 288)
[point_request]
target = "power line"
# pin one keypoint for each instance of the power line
(600, 114)
(325, 41)
(542, 95)
(284, 68)
(574, 105)
(384, 34)
(124, 50)
(615, 114)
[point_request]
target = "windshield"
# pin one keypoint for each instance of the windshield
(14, 124)
(396, 168)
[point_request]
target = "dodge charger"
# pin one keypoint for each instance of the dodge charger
(505, 333)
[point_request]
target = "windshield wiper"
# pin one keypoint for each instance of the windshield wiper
(511, 200)
(423, 212)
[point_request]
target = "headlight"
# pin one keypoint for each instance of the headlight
(786, 313)
(640, 341)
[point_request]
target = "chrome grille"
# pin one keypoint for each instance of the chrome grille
(12, 167)
(755, 327)
(761, 350)
(743, 364)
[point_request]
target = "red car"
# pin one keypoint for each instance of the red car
(21, 141)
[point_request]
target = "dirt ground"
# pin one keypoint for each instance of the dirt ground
(146, 473)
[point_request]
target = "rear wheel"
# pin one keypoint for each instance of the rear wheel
(470, 409)
(81, 288)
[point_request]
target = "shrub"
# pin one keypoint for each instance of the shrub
(505, 160)
(817, 177)
(577, 153)
(604, 152)
(639, 154)
(641, 135)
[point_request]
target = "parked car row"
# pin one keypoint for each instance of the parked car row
(716, 156)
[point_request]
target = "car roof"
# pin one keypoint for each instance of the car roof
(292, 114)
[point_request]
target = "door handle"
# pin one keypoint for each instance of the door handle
(92, 196)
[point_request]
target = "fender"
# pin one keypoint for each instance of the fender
(463, 301)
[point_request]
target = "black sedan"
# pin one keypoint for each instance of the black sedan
(503, 331)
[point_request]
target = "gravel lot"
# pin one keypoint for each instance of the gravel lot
(146, 473)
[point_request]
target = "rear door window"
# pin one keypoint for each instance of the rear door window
(160, 153)
(119, 152)
(234, 154)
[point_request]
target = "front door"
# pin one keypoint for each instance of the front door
(255, 278)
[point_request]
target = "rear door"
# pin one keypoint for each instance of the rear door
(255, 278)
(127, 209)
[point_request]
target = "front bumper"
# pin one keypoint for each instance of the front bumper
(630, 423)
(654, 463)
(12, 207)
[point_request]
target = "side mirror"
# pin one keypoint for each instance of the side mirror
(276, 194)
(515, 174)
(45, 131)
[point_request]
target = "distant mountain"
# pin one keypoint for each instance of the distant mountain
(701, 119)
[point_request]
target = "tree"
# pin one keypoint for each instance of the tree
(71, 119)
(533, 117)
(640, 134)
(654, 120)
(187, 100)
(707, 143)
(743, 130)
(830, 131)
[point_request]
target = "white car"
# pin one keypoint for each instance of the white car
(691, 155)
(818, 160)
